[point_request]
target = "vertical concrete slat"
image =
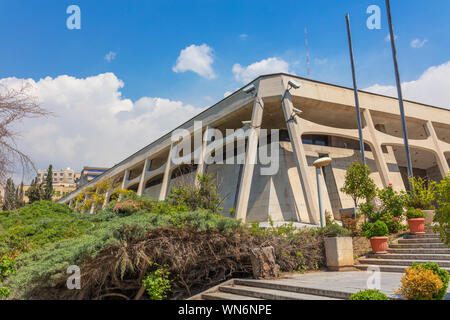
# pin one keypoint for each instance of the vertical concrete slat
(166, 178)
(147, 164)
(442, 162)
(125, 178)
(380, 160)
(250, 158)
(201, 161)
(107, 195)
(295, 135)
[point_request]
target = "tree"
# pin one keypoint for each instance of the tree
(48, 190)
(34, 193)
(358, 184)
(10, 196)
(19, 196)
(15, 105)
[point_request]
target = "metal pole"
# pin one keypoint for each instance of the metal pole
(399, 91)
(319, 192)
(355, 88)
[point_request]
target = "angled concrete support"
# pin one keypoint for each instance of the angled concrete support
(380, 160)
(442, 162)
(106, 201)
(166, 178)
(147, 164)
(126, 175)
(295, 135)
(250, 158)
(201, 160)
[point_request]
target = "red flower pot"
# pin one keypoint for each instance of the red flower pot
(379, 244)
(417, 226)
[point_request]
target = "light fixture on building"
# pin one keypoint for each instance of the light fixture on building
(249, 89)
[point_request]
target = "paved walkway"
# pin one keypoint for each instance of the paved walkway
(351, 281)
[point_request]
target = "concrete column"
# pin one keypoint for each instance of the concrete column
(166, 178)
(295, 135)
(71, 203)
(142, 180)
(126, 175)
(250, 159)
(201, 162)
(442, 162)
(380, 160)
(107, 195)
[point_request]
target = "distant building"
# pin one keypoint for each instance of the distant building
(88, 174)
(61, 178)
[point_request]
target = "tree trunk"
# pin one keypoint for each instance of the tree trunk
(263, 263)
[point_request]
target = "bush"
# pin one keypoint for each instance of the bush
(358, 184)
(422, 193)
(414, 213)
(157, 283)
(441, 273)
(393, 202)
(377, 229)
(420, 283)
(7, 269)
(392, 222)
(333, 230)
(370, 294)
(443, 211)
(203, 195)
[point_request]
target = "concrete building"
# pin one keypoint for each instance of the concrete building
(327, 126)
(88, 174)
(61, 178)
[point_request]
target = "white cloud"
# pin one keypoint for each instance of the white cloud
(417, 43)
(110, 56)
(266, 66)
(243, 36)
(197, 59)
(227, 93)
(93, 123)
(432, 87)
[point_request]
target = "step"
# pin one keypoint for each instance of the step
(409, 256)
(417, 245)
(401, 262)
(270, 294)
(293, 288)
(420, 240)
(419, 251)
(387, 268)
(225, 296)
(421, 236)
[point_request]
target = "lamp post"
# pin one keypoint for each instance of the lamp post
(319, 163)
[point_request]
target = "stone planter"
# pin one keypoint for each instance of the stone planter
(379, 244)
(417, 226)
(429, 216)
(339, 253)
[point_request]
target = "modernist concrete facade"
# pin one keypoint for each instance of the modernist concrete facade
(326, 126)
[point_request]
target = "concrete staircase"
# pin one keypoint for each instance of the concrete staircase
(246, 289)
(408, 250)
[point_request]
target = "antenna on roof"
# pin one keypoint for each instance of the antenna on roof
(307, 53)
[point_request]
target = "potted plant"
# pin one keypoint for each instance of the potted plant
(416, 221)
(338, 247)
(378, 234)
(421, 196)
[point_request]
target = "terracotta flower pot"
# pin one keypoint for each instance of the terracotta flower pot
(416, 226)
(379, 244)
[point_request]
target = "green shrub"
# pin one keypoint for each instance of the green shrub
(393, 202)
(7, 269)
(443, 211)
(392, 222)
(377, 229)
(358, 184)
(414, 213)
(334, 230)
(441, 273)
(370, 294)
(422, 193)
(157, 283)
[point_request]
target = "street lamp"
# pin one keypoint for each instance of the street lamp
(319, 163)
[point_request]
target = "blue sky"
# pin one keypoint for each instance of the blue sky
(171, 59)
(147, 37)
